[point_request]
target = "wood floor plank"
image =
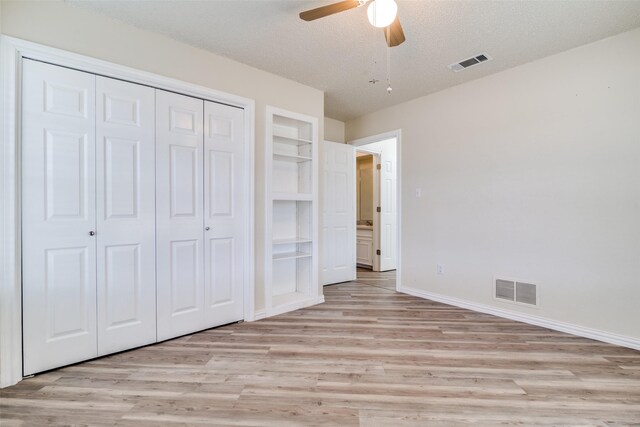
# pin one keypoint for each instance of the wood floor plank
(368, 356)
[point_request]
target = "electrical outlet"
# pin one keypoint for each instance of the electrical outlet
(440, 269)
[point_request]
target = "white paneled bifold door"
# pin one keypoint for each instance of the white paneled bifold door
(58, 217)
(180, 214)
(125, 200)
(88, 216)
(224, 244)
(200, 215)
(133, 222)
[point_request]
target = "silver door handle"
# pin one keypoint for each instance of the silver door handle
(206, 228)
(92, 233)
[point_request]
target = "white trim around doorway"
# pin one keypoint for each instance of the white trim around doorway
(12, 52)
(397, 134)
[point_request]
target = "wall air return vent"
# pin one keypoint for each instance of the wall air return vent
(470, 62)
(505, 289)
(515, 291)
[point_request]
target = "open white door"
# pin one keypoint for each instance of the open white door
(338, 242)
(388, 206)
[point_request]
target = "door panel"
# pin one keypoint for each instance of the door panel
(58, 212)
(121, 288)
(66, 177)
(388, 206)
(338, 214)
(221, 260)
(65, 279)
(185, 285)
(185, 184)
(125, 190)
(179, 216)
(224, 213)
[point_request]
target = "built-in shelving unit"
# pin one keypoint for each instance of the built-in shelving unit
(291, 264)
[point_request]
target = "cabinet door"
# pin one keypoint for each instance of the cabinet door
(179, 214)
(125, 188)
(58, 215)
(364, 251)
(225, 213)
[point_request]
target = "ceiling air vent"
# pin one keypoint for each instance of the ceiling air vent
(514, 291)
(459, 66)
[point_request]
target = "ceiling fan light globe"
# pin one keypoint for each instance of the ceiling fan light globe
(382, 13)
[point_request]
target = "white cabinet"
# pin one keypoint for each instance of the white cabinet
(134, 221)
(364, 246)
(291, 264)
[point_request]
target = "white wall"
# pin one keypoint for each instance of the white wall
(531, 173)
(74, 29)
(333, 130)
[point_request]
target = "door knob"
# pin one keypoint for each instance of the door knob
(206, 228)
(92, 233)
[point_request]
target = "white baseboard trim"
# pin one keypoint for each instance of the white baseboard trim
(295, 306)
(569, 328)
(260, 314)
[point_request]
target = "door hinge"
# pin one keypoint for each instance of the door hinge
(378, 252)
(378, 209)
(379, 166)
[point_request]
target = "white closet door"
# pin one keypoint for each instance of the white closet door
(179, 214)
(125, 190)
(224, 213)
(58, 215)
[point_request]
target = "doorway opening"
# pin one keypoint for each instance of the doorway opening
(360, 211)
(377, 216)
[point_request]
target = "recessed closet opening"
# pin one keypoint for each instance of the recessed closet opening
(136, 211)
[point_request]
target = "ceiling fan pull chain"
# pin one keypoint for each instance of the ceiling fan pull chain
(389, 88)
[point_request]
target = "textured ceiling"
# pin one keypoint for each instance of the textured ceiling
(341, 53)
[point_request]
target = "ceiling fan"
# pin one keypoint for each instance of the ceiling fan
(381, 14)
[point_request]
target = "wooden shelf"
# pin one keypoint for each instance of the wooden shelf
(291, 158)
(290, 255)
(293, 240)
(291, 249)
(282, 139)
(300, 197)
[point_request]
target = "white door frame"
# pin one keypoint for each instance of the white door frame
(12, 52)
(397, 134)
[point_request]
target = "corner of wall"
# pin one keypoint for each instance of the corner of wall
(334, 130)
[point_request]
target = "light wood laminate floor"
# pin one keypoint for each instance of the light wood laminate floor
(383, 279)
(367, 357)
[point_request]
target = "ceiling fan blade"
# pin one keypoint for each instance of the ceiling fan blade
(394, 34)
(321, 12)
